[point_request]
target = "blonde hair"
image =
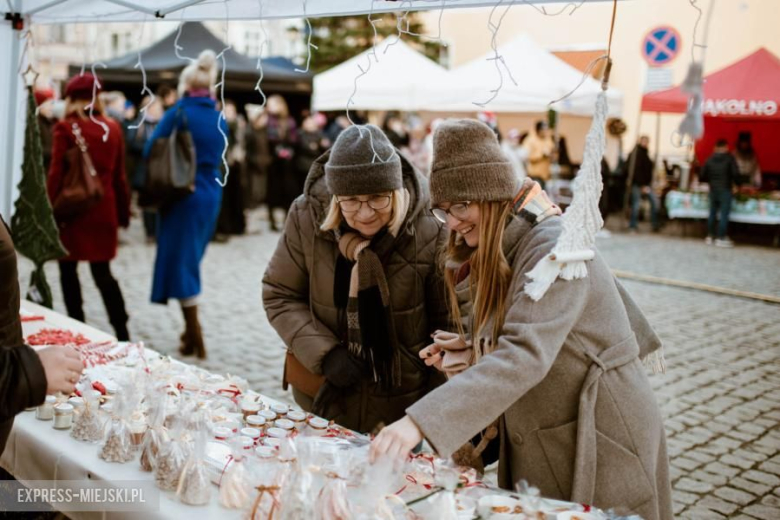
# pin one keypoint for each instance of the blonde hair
(202, 73)
(489, 277)
(334, 216)
(78, 107)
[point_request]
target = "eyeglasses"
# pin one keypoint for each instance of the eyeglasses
(377, 202)
(459, 210)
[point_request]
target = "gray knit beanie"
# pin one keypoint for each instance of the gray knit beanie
(354, 169)
(468, 164)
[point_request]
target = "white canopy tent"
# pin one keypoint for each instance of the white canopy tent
(541, 78)
(395, 80)
(20, 13)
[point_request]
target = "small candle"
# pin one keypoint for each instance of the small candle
(45, 412)
(63, 416)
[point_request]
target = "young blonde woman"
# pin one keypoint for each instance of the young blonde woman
(561, 380)
(353, 288)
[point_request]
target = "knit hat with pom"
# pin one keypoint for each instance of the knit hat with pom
(468, 164)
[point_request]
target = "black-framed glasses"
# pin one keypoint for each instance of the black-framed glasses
(377, 202)
(459, 210)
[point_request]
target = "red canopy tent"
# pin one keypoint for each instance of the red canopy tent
(744, 96)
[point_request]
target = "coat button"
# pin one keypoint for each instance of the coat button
(517, 438)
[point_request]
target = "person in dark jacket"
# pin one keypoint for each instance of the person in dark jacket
(310, 146)
(92, 235)
(185, 227)
(641, 174)
(353, 289)
(138, 133)
(722, 174)
(25, 376)
(282, 138)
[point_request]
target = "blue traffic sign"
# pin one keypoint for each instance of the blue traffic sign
(661, 45)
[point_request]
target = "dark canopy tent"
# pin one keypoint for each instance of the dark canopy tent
(163, 66)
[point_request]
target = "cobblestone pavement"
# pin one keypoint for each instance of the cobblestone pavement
(720, 395)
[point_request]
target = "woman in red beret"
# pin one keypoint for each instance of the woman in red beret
(91, 235)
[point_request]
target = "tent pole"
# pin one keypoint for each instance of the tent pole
(43, 7)
(134, 7)
(12, 102)
(165, 12)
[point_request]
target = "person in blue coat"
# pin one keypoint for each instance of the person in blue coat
(186, 226)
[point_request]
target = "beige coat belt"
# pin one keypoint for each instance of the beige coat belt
(584, 479)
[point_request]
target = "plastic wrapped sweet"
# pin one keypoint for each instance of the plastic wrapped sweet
(194, 483)
(170, 461)
(155, 436)
(119, 443)
(235, 488)
(88, 425)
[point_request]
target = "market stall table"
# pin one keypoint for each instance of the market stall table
(696, 205)
(38, 452)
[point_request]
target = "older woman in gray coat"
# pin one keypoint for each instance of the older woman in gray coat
(560, 382)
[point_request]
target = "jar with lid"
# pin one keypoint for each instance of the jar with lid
(255, 421)
(249, 408)
(222, 433)
(77, 403)
(277, 433)
(298, 418)
(280, 409)
(269, 415)
(252, 433)
(45, 411)
(63, 416)
(318, 426)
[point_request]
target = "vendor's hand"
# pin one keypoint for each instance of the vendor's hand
(342, 369)
(432, 355)
(645, 190)
(63, 367)
(396, 440)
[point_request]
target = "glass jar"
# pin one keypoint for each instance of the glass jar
(277, 433)
(252, 433)
(255, 421)
(45, 411)
(249, 408)
(222, 433)
(63, 416)
(284, 424)
(280, 409)
(298, 418)
(318, 426)
(268, 415)
(77, 403)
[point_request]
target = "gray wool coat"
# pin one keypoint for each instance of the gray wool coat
(578, 416)
(298, 289)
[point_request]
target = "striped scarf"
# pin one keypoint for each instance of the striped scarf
(371, 330)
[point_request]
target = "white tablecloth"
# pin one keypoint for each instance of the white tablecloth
(36, 451)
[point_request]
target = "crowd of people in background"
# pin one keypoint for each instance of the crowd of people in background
(270, 152)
